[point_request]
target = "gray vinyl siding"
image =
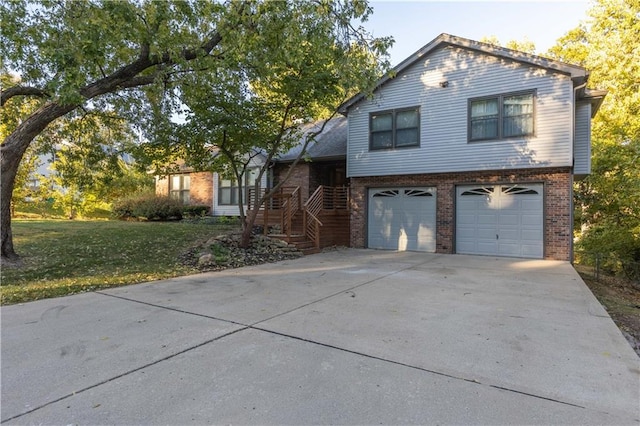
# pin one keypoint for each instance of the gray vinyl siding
(444, 145)
(582, 145)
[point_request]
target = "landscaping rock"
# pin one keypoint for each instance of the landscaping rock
(223, 251)
(206, 260)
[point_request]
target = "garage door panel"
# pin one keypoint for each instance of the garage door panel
(534, 220)
(487, 234)
(485, 247)
(509, 235)
(509, 219)
(504, 220)
(466, 219)
(487, 219)
(408, 221)
(530, 235)
(534, 251)
(530, 204)
(506, 249)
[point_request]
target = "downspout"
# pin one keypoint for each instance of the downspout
(573, 160)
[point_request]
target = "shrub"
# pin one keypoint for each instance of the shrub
(150, 207)
(195, 210)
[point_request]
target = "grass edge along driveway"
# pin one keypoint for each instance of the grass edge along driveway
(63, 257)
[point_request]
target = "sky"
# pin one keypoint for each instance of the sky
(415, 23)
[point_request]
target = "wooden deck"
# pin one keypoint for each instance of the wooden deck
(322, 221)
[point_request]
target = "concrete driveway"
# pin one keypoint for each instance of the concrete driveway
(346, 337)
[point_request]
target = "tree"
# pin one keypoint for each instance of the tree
(89, 55)
(105, 55)
(286, 67)
(608, 200)
(524, 45)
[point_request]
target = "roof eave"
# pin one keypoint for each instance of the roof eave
(595, 97)
(578, 74)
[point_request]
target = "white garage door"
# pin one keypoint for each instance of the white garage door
(402, 219)
(502, 220)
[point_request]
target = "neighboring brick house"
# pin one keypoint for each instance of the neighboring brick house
(470, 148)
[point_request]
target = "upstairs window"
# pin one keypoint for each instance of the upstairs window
(394, 129)
(502, 116)
(179, 187)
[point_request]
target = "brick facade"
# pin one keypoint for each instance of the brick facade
(201, 189)
(162, 185)
(299, 177)
(309, 176)
(557, 203)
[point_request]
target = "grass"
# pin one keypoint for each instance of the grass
(63, 257)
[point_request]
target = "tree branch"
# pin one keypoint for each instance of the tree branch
(5, 95)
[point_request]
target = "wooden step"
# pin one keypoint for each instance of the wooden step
(292, 239)
(310, 250)
(302, 245)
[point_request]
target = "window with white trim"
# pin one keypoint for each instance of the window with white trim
(502, 116)
(394, 129)
(229, 191)
(180, 187)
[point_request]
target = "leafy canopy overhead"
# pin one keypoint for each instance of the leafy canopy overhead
(239, 72)
(608, 44)
(280, 65)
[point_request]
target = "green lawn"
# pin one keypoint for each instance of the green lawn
(64, 257)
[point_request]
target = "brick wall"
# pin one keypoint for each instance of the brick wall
(557, 203)
(299, 177)
(201, 189)
(162, 186)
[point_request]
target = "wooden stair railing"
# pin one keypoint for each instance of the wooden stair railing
(285, 203)
(290, 206)
(335, 198)
(311, 223)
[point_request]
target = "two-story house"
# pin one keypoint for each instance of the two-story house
(470, 148)
(464, 147)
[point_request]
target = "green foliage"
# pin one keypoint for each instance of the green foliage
(195, 210)
(524, 45)
(227, 220)
(220, 253)
(149, 207)
(608, 200)
(285, 64)
(65, 257)
(248, 72)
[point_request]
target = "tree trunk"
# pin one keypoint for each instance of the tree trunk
(12, 150)
(247, 226)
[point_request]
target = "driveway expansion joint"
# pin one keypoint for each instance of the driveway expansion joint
(126, 373)
(425, 370)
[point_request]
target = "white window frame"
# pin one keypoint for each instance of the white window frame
(180, 189)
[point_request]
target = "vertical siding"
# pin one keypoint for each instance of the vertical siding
(582, 143)
(443, 145)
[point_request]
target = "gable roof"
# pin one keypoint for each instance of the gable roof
(331, 144)
(578, 74)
